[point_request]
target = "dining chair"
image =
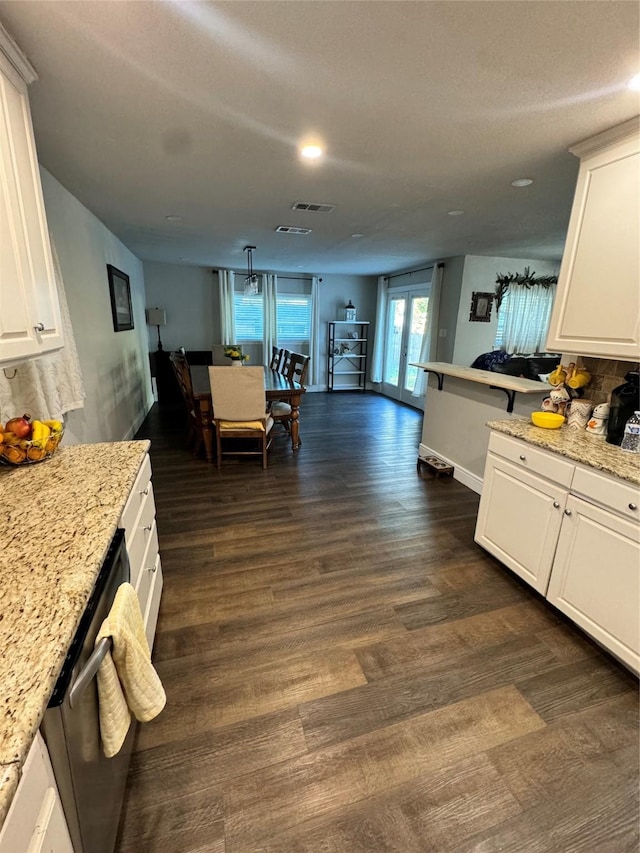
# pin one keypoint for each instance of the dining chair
(239, 410)
(297, 369)
(284, 362)
(276, 358)
(182, 372)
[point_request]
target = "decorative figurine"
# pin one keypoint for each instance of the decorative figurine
(597, 424)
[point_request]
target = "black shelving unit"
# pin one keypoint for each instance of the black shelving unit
(347, 355)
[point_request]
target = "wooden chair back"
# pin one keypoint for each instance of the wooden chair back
(297, 367)
(284, 362)
(276, 358)
(182, 372)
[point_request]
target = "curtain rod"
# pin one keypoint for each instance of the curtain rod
(411, 272)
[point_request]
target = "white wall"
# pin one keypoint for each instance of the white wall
(189, 295)
(474, 338)
(445, 329)
(115, 366)
(455, 418)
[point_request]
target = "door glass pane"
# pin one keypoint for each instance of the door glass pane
(393, 343)
(419, 313)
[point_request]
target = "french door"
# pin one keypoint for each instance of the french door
(406, 321)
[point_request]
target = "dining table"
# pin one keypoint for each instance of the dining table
(277, 387)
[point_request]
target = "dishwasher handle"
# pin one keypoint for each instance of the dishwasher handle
(89, 670)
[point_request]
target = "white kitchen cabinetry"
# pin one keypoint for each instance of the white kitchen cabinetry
(141, 536)
(519, 520)
(597, 306)
(29, 309)
(35, 822)
(572, 533)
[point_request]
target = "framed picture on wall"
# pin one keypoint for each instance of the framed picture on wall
(481, 307)
(120, 293)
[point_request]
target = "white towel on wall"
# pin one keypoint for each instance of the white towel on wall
(127, 681)
(49, 386)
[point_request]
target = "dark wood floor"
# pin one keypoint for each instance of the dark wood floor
(347, 672)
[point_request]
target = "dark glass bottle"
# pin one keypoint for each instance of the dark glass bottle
(625, 400)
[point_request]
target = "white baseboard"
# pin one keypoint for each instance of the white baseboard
(135, 426)
(467, 478)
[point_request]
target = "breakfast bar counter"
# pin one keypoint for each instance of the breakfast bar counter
(57, 520)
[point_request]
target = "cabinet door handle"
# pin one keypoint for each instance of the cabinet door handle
(523, 458)
(145, 491)
(633, 506)
(556, 505)
(567, 512)
(151, 569)
(147, 527)
(39, 327)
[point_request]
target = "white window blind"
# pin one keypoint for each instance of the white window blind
(249, 317)
(294, 318)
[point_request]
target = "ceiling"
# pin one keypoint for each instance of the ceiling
(149, 110)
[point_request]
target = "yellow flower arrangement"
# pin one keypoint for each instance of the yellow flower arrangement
(235, 353)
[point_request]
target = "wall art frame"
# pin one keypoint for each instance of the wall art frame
(120, 294)
(481, 307)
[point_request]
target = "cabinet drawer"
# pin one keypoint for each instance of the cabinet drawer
(613, 494)
(139, 536)
(146, 568)
(138, 494)
(153, 603)
(529, 458)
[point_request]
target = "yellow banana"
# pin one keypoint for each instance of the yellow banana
(10, 438)
(40, 432)
(54, 426)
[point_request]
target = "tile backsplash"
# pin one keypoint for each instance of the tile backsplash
(606, 374)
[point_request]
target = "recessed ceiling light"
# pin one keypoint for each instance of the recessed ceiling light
(182, 259)
(455, 212)
(173, 218)
(522, 182)
(311, 152)
(634, 83)
(357, 235)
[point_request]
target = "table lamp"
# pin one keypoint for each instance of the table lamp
(157, 317)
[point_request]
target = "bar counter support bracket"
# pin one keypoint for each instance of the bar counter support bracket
(511, 394)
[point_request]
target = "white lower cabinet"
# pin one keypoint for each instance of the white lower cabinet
(141, 536)
(596, 577)
(576, 541)
(519, 520)
(35, 822)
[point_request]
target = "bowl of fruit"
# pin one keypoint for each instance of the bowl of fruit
(23, 441)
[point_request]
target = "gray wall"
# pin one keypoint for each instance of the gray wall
(115, 365)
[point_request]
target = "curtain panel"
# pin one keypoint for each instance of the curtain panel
(527, 312)
(227, 313)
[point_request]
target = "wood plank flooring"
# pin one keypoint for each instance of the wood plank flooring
(347, 672)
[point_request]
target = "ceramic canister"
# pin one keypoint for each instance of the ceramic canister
(579, 414)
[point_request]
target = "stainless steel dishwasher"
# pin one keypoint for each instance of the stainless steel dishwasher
(91, 786)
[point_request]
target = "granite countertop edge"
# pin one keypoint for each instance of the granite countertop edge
(580, 446)
(57, 519)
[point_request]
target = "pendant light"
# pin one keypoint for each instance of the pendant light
(251, 280)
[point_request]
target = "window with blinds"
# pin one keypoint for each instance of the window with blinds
(294, 319)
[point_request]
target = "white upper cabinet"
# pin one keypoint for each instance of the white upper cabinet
(597, 306)
(29, 310)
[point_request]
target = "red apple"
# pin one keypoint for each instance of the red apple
(19, 426)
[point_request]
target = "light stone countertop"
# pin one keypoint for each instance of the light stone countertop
(57, 519)
(579, 445)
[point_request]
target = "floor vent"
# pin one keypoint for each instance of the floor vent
(313, 208)
(290, 229)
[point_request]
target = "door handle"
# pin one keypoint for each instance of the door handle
(567, 512)
(88, 671)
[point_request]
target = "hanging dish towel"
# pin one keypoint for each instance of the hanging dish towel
(127, 681)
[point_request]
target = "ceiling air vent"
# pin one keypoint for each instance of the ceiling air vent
(290, 229)
(313, 208)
